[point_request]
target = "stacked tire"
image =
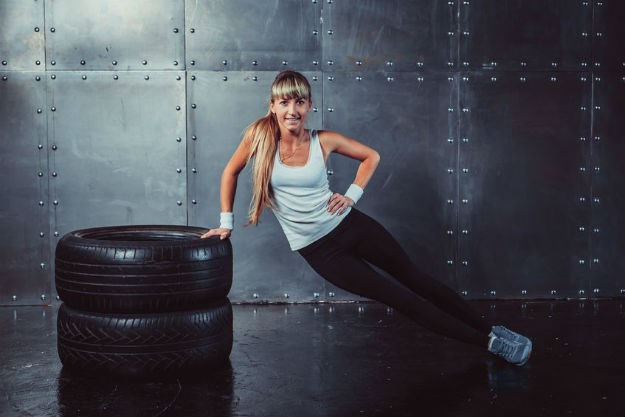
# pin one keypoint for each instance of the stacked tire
(143, 301)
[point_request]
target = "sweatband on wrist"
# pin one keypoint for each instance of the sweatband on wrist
(354, 192)
(226, 220)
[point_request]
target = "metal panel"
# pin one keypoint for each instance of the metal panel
(525, 34)
(253, 35)
(225, 104)
(21, 35)
(389, 35)
(115, 34)
(24, 184)
(607, 36)
(524, 192)
(608, 182)
(115, 150)
(409, 119)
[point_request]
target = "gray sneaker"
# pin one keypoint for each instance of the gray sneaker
(514, 352)
(506, 333)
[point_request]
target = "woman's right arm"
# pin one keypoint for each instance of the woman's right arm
(228, 188)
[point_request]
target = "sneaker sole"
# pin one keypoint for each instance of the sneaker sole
(527, 358)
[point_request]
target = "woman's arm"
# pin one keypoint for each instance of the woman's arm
(228, 188)
(369, 159)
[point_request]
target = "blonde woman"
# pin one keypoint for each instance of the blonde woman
(336, 239)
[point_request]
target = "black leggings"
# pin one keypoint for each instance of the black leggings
(344, 258)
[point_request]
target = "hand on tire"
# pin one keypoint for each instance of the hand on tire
(222, 232)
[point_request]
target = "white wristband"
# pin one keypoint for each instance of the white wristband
(354, 192)
(226, 220)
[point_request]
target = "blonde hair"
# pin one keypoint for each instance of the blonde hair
(263, 136)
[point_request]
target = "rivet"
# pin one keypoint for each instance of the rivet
(331, 294)
(40, 203)
(40, 174)
(465, 263)
(53, 108)
(493, 79)
(330, 62)
(582, 169)
(554, 64)
(4, 78)
(465, 232)
(584, 64)
(524, 292)
(361, 309)
(254, 78)
(39, 146)
(53, 77)
(37, 62)
(42, 265)
(53, 62)
(330, 171)
(83, 62)
(450, 170)
(193, 137)
(450, 262)
(56, 234)
(192, 62)
(389, 63)
(552, 292)
(114, 62)
(582, 292)
(194, 170)
(255, 295)
(597, 138)
(84, 77)
(36, 28)
(178, 170)
(465, 140)
(55, 202)
(178, 107)
(553, 79)
(465, 201)
(144, 62)
(147, 77)
(465, 170)
(330, 32)
(450, 232)
(52, 30)
(37, 78)
(224, 78)
(450, 140)
(450, 109)
(420, 64)
(493, 292)
(179, 202)
(14, 298)
(176, 30)
(390, 79)
(464, 292)
(316, 295)
(179, 139)
(582, 138)
(193, 201)
(330, 78)
(315, 109)
(286, 295)
(450, 64)
(358, 62)
(193, 78)
(465, 109)
(116, 77)
(582, 262)
(420, 79)
(39, 110)
(582, 229)
(466, 64)
(330, 109)
(315, 78)
(254, 62)
(465, 79)
(54, 174)
(224, 62)
(450, 201)
(43, 297)
(41, 234)
(596, 230)
(193, 105)
(285, 62)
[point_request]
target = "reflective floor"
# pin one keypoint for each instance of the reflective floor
(342, 360)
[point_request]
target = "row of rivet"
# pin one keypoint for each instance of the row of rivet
(389, 310)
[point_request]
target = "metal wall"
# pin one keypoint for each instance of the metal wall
(500, 126)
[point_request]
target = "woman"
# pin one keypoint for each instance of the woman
(337, 240)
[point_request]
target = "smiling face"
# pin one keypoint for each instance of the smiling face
(290, 101)
(291, 113)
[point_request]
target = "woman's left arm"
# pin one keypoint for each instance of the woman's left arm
(369, 159)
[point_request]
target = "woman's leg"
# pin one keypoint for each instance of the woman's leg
(333, 260)
(378, 247)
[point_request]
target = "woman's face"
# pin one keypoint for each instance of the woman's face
(291, 113)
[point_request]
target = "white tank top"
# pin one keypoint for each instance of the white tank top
(301, 195)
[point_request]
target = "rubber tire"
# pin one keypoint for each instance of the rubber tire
(134, 269)
(145, 345)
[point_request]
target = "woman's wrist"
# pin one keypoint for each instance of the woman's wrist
(354, 192)
(226, 220)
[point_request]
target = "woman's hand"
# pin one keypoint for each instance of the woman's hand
(338, 203)
(222, 232)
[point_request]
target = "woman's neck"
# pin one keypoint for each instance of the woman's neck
(288, 136)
